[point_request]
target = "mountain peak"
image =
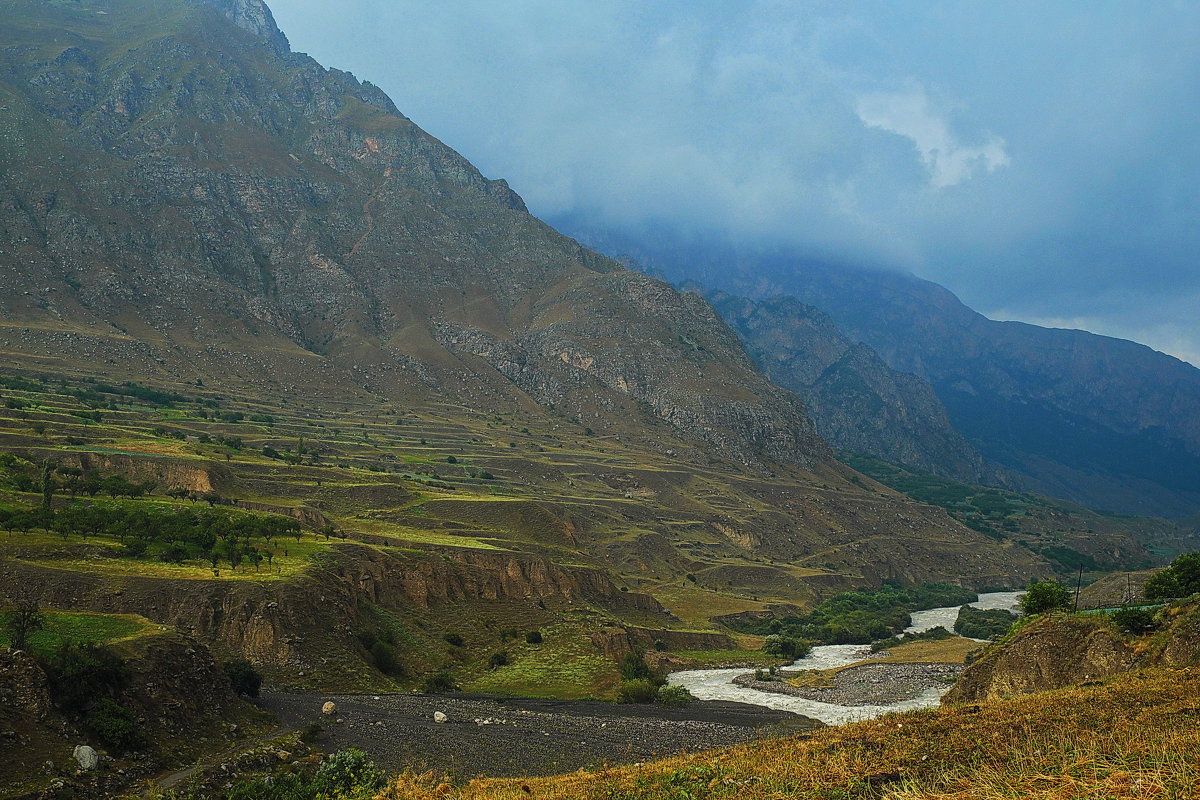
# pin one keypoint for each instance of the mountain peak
(255, 17)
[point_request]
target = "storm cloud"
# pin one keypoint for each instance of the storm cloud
(1040, 160)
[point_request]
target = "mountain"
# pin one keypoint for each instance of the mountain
(206, 205)
(1104, 422)
(857, 402)
(235, 276)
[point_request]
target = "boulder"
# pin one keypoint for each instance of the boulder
(87, 757)
(329, 708)
(439, 717)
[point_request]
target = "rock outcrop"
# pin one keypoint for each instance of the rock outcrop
(1058, 650)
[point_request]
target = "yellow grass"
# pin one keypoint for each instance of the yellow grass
(1136, 737)
(944, 651)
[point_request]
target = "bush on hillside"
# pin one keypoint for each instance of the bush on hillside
(1045, 596)
(115, 726)
(244, 679)
(638, 690)
(674, 696)
(1180, 579)
(439, 683)
(80, 673)
(1135, 621)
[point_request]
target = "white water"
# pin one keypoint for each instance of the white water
(717, 684)
(946, 617)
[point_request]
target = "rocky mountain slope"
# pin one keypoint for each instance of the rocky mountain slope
(190, 200)
(1103, 422)
(238, 274)
(856, 401)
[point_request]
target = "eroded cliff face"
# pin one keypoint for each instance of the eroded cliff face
(1059, 650)
(300, 625)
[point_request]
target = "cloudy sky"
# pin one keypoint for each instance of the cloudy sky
(1041, 160)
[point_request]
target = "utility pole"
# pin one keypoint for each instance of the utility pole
(1078, 584)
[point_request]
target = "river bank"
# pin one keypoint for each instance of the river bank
(874, 684)
(519, 736)
(851, 700)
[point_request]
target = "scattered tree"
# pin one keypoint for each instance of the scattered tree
(1045, 596)
(25, 619)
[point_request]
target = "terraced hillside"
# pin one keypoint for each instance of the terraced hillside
(425, 521)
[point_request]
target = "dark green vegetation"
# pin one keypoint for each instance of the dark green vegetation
(863, 617)
(1180, 579)
(1045, 596)
(1066, 535)
(980, 623)
(244, 679)
(164, 533)
(1135, 621)
(345, 775)
(932, 635)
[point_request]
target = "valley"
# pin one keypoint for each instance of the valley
(330, 472)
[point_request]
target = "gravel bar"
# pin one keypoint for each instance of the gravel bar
(519, 736)
(865, 685)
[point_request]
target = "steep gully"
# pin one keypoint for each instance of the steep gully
(717, 684)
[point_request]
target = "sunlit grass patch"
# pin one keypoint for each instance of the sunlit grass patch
(85, 627)
(564, 665)
(401, 534)
(102, 556)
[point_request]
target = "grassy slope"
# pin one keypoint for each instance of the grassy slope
(1135, 736)
(64, 626)
(1069, 536)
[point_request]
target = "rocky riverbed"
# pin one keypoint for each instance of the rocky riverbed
(490, 736)
(865, 685)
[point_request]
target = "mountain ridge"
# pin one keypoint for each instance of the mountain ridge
(1103, 422)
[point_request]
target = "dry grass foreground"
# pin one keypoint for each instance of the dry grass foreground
(1135, 736)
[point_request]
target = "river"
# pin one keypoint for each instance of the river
(717, 684)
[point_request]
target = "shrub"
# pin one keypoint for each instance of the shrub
(347, 773)
(454, 639)
(533, 637)
(1045, 596)
(1180, 579)
(451, 460)
(384, 657)
(785, 646)
(243, 677)
(438, 683)
(1135, 620)
(115, 726)
(674, 696)
(25, 619)
(498, 659)
(978, 623)
(634, 667)
(79, 673)
(638, 690)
